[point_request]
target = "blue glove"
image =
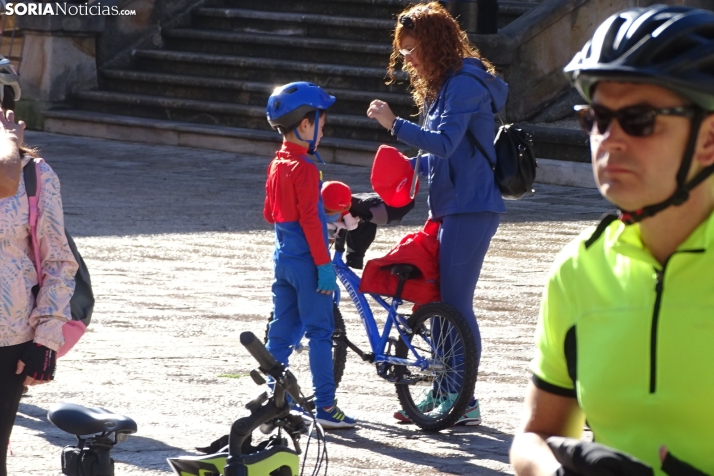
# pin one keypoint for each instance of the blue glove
(326, 279)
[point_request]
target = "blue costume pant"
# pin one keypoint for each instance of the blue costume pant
(464, 240)
(299, 308)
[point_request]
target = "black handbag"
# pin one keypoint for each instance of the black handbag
(515, 167)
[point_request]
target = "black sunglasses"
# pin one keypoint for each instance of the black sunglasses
(636, 121)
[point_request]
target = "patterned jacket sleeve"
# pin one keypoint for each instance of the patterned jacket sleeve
(59, 267)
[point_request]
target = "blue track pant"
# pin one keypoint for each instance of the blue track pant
(299, 308)
(464, 240)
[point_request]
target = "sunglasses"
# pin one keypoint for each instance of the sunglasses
(405, 52)
(635, 121)
(406, 21)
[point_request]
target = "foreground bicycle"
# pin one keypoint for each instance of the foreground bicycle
(269, 412)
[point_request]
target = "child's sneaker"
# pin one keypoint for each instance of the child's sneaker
(472, 415)
(332, 417)
(444, 406)
(427, 404)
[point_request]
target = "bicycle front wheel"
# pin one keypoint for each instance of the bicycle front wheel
(435, 397)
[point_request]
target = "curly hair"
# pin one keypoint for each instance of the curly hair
(442, 47)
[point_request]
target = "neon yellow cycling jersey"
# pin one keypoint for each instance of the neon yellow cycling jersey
(633, 340)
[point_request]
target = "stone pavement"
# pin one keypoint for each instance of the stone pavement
(180, 262)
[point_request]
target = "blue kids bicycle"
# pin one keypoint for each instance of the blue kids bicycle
(430, 355)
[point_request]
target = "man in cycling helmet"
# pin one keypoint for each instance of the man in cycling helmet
(304, 277)
(625, 337)
(10, 132)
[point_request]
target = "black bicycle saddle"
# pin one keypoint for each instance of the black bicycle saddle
(404, 271)
(79, 420)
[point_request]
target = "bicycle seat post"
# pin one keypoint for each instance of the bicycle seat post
(404, 272)
(105, 466)
(400, 288)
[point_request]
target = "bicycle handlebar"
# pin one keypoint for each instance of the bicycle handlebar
(256, 348)
(285, 381)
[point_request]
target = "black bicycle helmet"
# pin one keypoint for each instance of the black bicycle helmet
(669, 46)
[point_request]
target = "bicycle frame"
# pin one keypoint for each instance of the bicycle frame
(378, 342)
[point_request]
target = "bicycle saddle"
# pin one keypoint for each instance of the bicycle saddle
(79, 420)
(405, 271)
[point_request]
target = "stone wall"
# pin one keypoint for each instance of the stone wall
(61, 54)
(124, 34)
(544, 40)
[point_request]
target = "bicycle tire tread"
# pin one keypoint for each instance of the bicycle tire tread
(469, 378)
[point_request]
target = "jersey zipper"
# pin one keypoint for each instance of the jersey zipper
(659, 290)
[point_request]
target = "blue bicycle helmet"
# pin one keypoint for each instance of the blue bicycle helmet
(289, 103)
(668, 46)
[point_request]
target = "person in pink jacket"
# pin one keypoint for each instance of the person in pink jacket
(31, 317)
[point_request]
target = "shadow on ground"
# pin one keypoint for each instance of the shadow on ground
(472, 444)
(137, 451)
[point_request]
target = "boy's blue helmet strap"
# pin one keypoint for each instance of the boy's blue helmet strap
(289, 103)
(311, 143)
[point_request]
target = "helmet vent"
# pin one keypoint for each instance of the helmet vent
(675, 49)
(290, 90)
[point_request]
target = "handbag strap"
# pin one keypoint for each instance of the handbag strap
(31, 174)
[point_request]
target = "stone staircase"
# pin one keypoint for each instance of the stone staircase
(207, 83)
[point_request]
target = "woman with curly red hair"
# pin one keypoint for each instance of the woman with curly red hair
(457, 94)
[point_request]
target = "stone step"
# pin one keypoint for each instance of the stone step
(219, 113)
(379, 9)
(294, 24)
(240, 141)
(259, 69)
(559, 143)
(260, 45)
(241, 92)
(509, 10)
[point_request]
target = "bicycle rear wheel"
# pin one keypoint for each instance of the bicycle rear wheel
(299, 359)
(436, 397)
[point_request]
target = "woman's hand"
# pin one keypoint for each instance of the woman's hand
(37, 362)
(10, 129)
(381, 111)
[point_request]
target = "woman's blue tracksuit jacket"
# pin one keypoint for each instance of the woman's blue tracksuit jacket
(463, 194)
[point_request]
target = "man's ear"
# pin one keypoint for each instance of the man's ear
(705, 149)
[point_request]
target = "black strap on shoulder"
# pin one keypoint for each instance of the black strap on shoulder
(475, 143)
(605, 221)
(470, 135)
(30, 176)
